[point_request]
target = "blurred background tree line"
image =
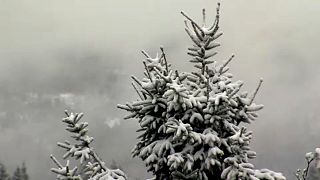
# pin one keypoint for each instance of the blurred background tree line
(20, 173)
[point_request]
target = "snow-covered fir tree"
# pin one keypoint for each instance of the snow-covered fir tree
(81, 149)
(192, 123)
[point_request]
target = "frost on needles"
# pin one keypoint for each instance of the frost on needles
(191, 124)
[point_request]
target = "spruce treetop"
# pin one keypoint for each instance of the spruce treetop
(191, 123)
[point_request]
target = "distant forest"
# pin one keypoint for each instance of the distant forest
(19, 174)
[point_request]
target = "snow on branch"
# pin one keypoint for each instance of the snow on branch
(95, 167)
(203, 38)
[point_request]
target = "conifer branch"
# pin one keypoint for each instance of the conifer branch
(226, 63)
(135, 88)
(145, 54)
(81, 150)
(193, 22)
(165, 60)
(56, 161)
(147, 69)
(256, 90)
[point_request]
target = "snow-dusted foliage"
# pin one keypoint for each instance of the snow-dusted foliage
(310, 157)
(191, 124)
(95, 167)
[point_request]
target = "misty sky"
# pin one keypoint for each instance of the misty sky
(79, 55)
